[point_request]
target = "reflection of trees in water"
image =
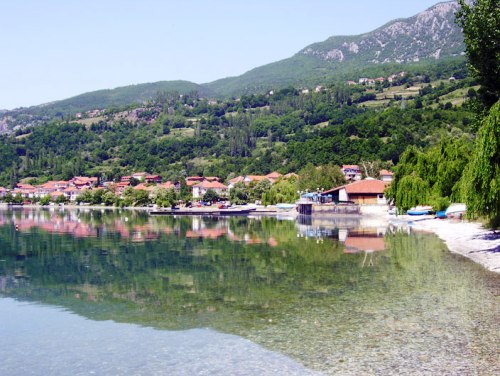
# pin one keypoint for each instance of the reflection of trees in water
(177, 281)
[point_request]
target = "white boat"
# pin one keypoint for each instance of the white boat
(456, 211)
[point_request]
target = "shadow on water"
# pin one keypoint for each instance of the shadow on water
(337, 296)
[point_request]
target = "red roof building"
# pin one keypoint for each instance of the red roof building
(366, 191)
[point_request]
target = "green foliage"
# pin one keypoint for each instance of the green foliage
(210, 196)
(164, 197)
(135, 197)
(480, 22)
(239, 194)
(323, 177)
(430, 177)
(283, 191)
(481, 180)
(412, 191)
(45, 200)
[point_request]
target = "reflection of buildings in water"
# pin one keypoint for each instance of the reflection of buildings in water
(367, 240)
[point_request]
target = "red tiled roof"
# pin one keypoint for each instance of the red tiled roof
(211, 184)
(274, 175)
(167, 185)
(256, 177)
(144, 187)
(237, 179)
(365, 186)
(353, 167)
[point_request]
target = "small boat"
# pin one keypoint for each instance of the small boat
(420, 210)
(456, 211)
(441, 214)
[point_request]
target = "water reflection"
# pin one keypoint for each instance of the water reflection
(305, 288)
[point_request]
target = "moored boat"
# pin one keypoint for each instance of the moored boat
(420, 210)
(456, 211)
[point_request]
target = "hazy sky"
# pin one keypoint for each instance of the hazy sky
(55, 49)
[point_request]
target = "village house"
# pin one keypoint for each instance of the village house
(386, 175)
(351, 172)
(367, 191)
(200, 189)
(232, 182)
(153, 179)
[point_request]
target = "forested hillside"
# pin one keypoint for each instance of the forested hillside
(178, 135)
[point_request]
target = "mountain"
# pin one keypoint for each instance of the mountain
(422, 40)
(126, 95)
(426, 37)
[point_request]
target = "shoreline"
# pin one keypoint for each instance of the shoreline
(468, 239)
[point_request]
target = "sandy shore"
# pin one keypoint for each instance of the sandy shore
(469, 239)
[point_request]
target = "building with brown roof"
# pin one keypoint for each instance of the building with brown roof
(367, 191)
(200, 189)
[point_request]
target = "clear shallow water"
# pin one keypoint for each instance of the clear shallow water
(336, 297)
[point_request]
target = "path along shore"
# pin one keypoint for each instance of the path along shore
(469, 239)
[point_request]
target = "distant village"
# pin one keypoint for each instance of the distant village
(357, 189)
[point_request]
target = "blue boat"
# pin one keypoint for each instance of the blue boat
(420, 210)
(441, 214)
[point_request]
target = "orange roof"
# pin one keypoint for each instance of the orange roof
(144, 187)
(237, 179)
(256, 177)
(386, 172)
(274, 175)
(353, 167)
(365, 186)
(211, 184)
(24, 186)
(167, 185)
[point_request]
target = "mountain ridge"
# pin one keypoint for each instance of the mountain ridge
(428, 36)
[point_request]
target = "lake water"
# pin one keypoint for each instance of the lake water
(97, 292)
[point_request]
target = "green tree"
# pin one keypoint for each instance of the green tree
(45, 200)
(412, 191)
(164, 197)
(481, 180)
(8, 198)
(239, 194)
(480, 22)
(61, 199)
(210, 196)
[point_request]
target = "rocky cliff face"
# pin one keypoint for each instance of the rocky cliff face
(429, 34)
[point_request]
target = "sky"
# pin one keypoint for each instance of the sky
(56, 49)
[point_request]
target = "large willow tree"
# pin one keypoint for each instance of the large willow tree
(482, 176)
(480, 22)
